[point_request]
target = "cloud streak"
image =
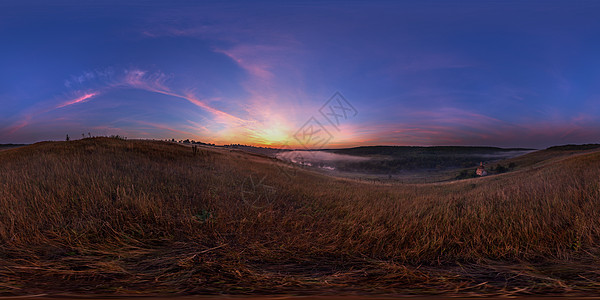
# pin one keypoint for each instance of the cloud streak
(81, 99)
(249, 129)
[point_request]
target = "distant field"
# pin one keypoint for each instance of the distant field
(117, 217)
(10, 146)
(393, 164)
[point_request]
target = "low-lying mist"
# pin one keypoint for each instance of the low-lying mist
(320, 159)
(400, 161)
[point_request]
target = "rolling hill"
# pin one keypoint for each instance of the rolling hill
(110, 216)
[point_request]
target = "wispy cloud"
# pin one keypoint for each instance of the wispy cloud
(253, 58)
(140, 79)
(156, 82)
(30, 116)
(272, 61)
(81, 99)
(24, 121)
(252, 129)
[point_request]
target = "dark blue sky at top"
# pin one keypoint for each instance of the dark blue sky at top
(503, 73)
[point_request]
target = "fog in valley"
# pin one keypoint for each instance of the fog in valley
(327, 160)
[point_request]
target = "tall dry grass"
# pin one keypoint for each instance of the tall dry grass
(105, 215)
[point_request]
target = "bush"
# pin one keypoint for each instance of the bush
(501, 168)
(464, 174)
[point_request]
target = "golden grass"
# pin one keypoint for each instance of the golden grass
(111, 216)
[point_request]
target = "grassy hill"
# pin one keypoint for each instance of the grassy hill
(551, 154)
(128, 217)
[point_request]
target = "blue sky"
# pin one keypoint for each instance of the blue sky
(501, 73)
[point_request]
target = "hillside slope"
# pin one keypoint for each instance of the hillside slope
(111, 216)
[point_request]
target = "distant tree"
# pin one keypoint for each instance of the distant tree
(464, 174)
(501, 168)
(68, 139)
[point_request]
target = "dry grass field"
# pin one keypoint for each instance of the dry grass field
(108, 216)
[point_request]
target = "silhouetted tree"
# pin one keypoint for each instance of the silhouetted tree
(68, 138)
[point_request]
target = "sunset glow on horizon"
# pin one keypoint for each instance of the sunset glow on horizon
(508, 74)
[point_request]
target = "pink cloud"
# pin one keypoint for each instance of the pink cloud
(20, 124)
(248, 58)
(29, 117)
(81, 99)
(144, 80)
(270, 58)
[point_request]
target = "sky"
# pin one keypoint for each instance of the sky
(301, 73)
